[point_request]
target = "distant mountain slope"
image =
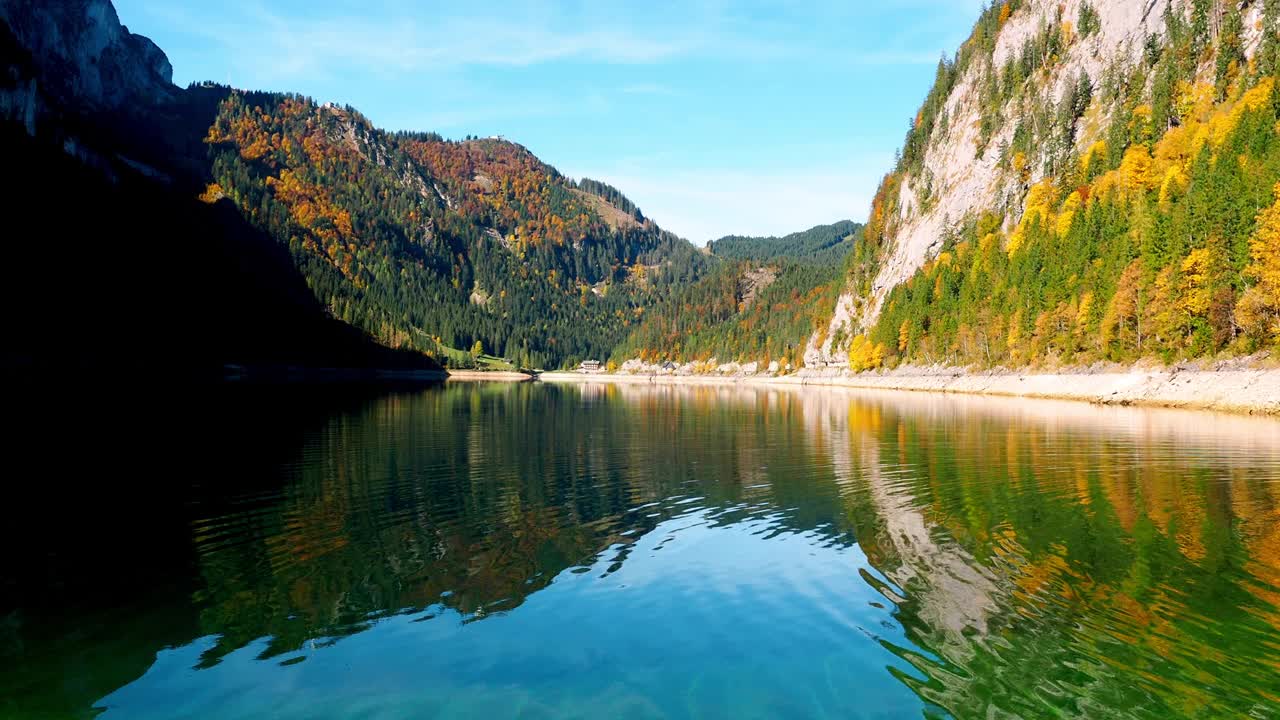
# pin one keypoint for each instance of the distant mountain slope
(766, 297)
(1087, 180)
(820, 244)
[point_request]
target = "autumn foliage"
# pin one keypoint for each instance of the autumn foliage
(437, 245)
(1157, 234)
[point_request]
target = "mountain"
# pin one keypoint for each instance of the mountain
(1088, 180)
(763, 300)
(114, 265)
(215, 225)
(79, 55)
(1085, 181)
(434, 244)
(821, 244)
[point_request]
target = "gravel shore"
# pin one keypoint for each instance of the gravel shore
(1251, 391)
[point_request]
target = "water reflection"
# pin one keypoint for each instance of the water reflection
(634, 551)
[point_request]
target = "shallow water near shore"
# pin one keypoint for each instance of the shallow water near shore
(531, 550)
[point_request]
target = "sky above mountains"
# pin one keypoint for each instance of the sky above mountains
(716, 118)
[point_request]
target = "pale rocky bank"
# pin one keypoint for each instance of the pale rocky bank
(1237, 388)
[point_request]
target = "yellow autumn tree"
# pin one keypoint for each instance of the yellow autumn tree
(213, 192)
(1199, 268)
(865, 354)
(1174, 147)
(1096, 153)
(1258, 311)
(1067, 213)
(1084, 310)
(1224, 122)
(1013, 340)
(1039, 210)
(1173, 185)
(1194, 102)
(1020, 165)
(1140, 128)
(1163, 313)
(1136, 171)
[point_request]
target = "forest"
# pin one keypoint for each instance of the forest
(818, 245)
(439, 246)
(761, 304)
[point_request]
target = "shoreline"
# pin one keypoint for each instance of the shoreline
(489, 375)
(1250, 392)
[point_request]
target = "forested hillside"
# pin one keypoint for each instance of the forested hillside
(766, 297)
(822, 244)
(1086, 181)
(433, 244)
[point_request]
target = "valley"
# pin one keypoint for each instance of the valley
(1083, 184)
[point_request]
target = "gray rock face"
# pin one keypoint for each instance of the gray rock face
(20, 103)
(84, 55)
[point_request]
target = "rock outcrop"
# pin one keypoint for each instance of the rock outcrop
(78, 54)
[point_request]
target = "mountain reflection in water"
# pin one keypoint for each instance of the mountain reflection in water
(487, 550)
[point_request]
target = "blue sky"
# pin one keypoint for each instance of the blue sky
(714, 117)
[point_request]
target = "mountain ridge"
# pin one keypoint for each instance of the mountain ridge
(820, 243)
(440, 244)
(435, 247)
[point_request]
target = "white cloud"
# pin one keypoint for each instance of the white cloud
(387, 38)
(278, 47)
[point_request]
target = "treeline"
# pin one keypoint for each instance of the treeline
(435, 245)
(823, 244)
(1160, 237)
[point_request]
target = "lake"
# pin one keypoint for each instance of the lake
(486, 550)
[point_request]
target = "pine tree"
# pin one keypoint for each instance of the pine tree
(1269, 51)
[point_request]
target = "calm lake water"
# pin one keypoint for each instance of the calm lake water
(537, 551)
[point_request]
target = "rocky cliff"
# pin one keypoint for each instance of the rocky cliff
(962, 159)
(84, 55)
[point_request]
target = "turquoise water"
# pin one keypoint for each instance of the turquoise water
(527, 551)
